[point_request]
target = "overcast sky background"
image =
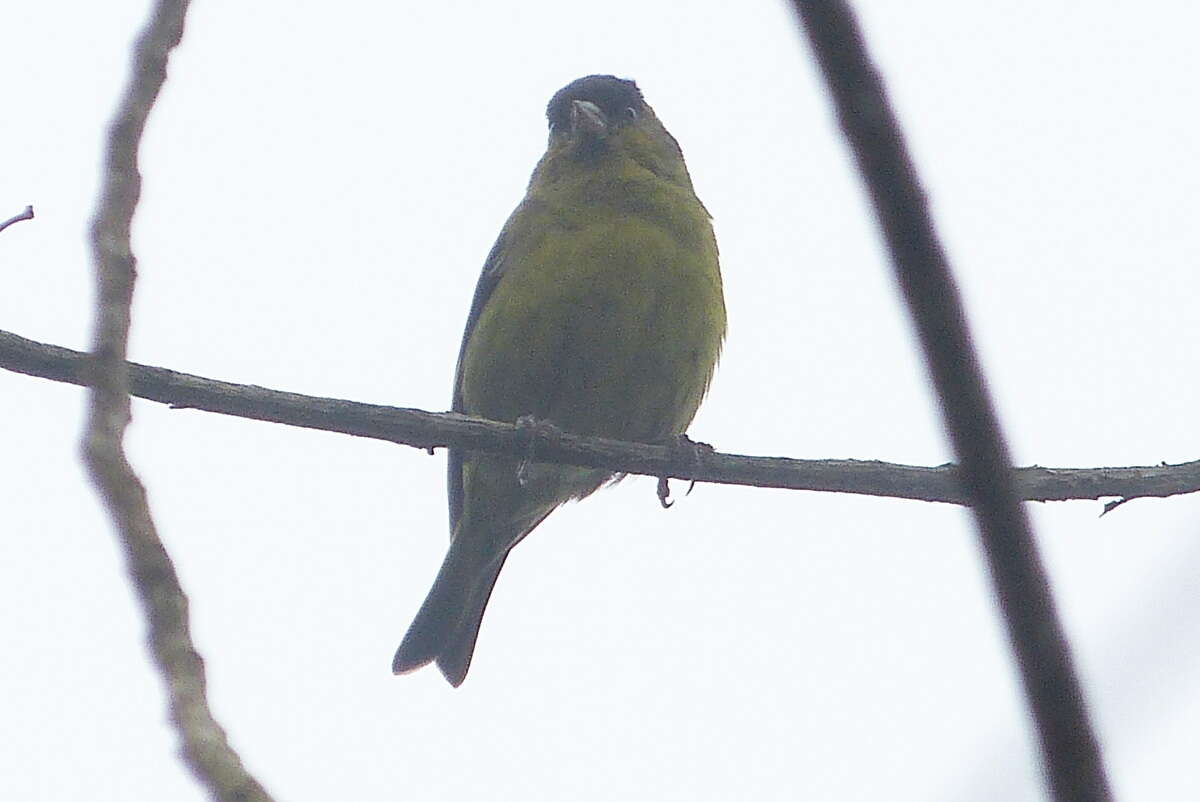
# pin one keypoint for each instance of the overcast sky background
(321, 187)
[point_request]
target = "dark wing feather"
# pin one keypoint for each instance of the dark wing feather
(489, 277)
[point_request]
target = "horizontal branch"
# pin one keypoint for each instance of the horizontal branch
(429, 430)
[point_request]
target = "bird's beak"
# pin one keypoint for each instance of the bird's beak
(587, 119)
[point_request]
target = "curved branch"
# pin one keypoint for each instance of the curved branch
(1069, 746)
(16, 218)
(428, 430)
(205, 747)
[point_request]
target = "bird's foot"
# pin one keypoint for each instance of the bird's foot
(686, 449)
(532, 429)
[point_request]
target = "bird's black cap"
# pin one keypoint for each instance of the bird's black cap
(610, 94)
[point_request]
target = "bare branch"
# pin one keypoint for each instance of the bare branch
(428, 430)
(1069, 747)
(205, 747)
(16, 218)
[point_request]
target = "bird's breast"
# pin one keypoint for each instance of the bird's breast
(609, 322)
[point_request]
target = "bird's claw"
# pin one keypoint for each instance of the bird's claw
(532, 428)
(696, 452)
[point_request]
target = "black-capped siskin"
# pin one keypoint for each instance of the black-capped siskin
(599, 309)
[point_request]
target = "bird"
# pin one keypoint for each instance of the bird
(599, 310)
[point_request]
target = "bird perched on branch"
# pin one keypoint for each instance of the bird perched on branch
(599, 310)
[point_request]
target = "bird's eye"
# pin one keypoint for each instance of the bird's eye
(631, 113)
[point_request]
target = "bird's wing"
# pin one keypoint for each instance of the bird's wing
(493, 269)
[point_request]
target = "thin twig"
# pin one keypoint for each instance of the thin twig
(25, 215)
(429, 430)
(205, 747)
(1069, 746)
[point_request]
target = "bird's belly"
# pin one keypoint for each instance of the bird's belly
(620, 339)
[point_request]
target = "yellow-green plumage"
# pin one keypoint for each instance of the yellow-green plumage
(600, 310)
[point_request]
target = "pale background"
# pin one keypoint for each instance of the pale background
(321, 188)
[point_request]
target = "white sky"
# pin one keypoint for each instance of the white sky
(321, 189)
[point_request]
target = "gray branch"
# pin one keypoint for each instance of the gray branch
(205, 747)
(1070, 749)
(428, 430)
(16, 218)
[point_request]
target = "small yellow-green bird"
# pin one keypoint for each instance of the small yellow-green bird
(599, 310)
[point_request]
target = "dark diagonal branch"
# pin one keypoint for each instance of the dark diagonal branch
(205, 747)
(16, 218)
(1069, 746)
(428, 430)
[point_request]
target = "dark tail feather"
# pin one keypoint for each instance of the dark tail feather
(455, 656)
(449, 615)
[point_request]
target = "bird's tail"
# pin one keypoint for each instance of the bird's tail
(447, 624)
